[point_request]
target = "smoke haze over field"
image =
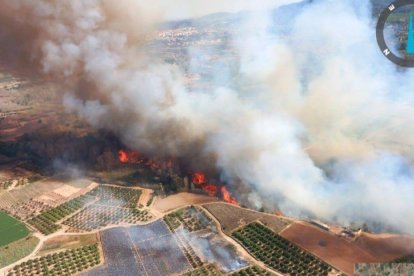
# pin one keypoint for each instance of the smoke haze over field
(327, 130)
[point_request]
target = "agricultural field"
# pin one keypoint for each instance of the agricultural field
(180, 200)
(98, 216)
(64, 242)
(344, 254)
(406, 259)
(385, 247)
(141, 250)
(27, 209)
(211, 270)
(5, 184)
(278, 253)
(101, 206)
(116, 196)
(36, 197)
(232, 217)
(63, 263)
(208, 270)
(114, 205)
(213, 248)
(252, 271)
(170, 261)
(384, 269)
(194, 229)
(11, 229)
(33, 105)
(13, 183)
(188, 250)
(146, 198)
(190, 218)
(17, 250)
(46, 221)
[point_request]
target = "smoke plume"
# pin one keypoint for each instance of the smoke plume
(314, 120)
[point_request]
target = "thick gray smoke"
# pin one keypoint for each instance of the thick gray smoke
(327, 129)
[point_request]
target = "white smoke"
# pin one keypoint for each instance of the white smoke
(326, 128)
(212, 249)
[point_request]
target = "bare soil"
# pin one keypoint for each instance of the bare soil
(62, 242)
(66, 190)
(180, 200)
(342, 253)
(232, 217)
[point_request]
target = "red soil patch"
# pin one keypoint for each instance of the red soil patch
(332, 249)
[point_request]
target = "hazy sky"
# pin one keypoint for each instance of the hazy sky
(180, 9)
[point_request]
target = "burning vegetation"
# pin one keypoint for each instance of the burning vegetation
(227, 196)
(199, 179)
(134, 157)
(167, 168)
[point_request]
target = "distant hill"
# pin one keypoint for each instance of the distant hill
(282, 16)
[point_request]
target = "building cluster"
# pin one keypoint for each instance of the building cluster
(343, 232)
(189, 36)
(177, 33)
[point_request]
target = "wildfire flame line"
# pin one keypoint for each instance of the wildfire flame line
(199, 178)
(134, 157)
(227, 196)
(128, 156)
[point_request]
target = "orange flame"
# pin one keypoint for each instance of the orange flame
(227, 196)
(279, 213)
(210, 189)
(128, 156)
(123, 156)
(199, 178)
